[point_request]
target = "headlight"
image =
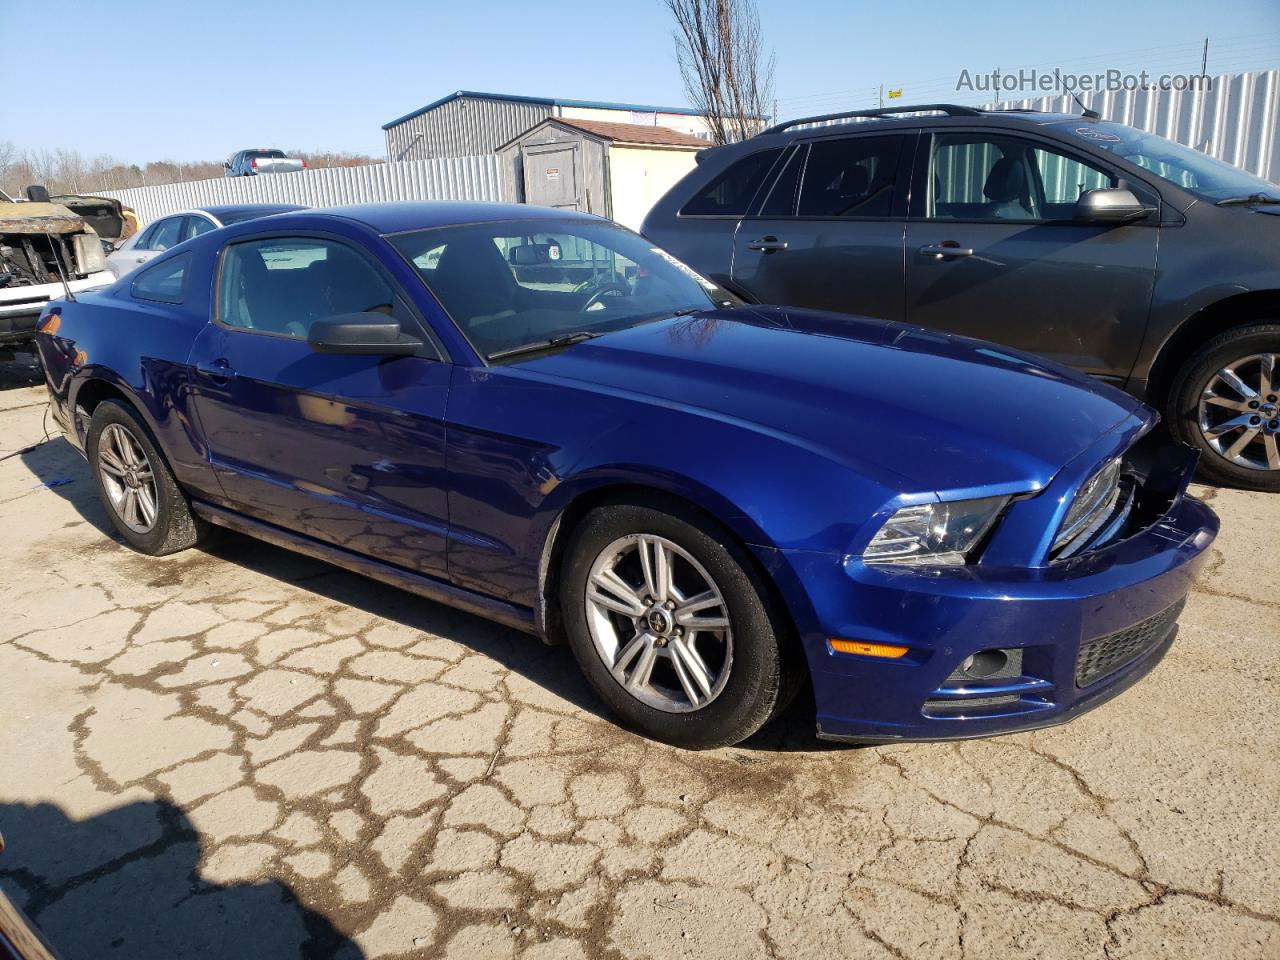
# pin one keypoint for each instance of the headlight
(1092, 504)
(934, 534)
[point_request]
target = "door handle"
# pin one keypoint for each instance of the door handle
(218, 371)
(948, 248)
(767, 245)
(141, 260)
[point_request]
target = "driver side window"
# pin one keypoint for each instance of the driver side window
(282, 285)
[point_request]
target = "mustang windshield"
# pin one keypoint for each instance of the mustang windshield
(1181, 166)
(546, 283)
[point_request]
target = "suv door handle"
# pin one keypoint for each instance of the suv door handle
(948, 248)
(767, 245)
(218, 371)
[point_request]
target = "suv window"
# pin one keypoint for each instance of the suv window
(282, 285)
(730, 194)
(851, 178)
(977, 177)
(163, 283)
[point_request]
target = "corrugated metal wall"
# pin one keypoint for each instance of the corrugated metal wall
(1238, 120)
(451, 178)
(464, 127)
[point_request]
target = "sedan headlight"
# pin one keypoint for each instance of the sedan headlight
(1092, 504)
(934, 534)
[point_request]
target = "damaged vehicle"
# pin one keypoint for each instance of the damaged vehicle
(45, 242)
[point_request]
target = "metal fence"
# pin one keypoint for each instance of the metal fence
(447, 178)
(1236, 120)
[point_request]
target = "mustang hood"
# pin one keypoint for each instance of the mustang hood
(939, 412)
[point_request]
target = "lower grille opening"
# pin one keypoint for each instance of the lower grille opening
(1104, 656)
(969, 706)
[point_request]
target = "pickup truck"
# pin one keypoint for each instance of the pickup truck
(250, 163)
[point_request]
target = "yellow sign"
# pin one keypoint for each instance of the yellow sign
(895, 94)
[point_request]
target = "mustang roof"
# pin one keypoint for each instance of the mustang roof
(415, 215)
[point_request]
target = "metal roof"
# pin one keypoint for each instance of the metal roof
(545, 101)
(637, 133)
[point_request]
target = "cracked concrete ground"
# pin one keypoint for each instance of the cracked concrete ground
(237, 752)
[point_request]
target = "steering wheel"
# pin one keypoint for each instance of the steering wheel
(611, 287)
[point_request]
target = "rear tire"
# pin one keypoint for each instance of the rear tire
(737, 677)
(1213, 389)
(135, 484)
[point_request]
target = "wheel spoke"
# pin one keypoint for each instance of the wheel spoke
(1242, 442)
(111, 463)
(691, 670)
(1273, 451)
(1267, 374)
(608, 590)
(130, 511)
(1228, 374)
(686, 613)
(147, 504)
(1226, 426)
(656, 564)
(628, 653)
(1219, 401)
(644, 665)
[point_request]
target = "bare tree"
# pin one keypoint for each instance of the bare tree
(727, 74)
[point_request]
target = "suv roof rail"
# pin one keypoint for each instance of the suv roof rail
(950, 109)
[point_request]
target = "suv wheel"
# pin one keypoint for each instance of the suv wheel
(671, 627)
(1225, 401)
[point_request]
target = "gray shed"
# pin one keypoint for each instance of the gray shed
(469, 123)
(615, 170)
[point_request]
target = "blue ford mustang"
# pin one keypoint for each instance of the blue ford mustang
(539, 417)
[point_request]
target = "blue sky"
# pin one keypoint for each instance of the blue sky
(193, 81)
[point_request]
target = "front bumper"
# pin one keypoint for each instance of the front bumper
(20, 307)
(1131, 591)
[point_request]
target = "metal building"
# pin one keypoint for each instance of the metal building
(615, 170)
(467, 123)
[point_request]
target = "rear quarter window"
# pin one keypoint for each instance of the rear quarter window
(730, 194)
(164, 283)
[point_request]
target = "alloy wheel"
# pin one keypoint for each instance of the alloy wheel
(1239, 412)
(659, 623)
(128, 478)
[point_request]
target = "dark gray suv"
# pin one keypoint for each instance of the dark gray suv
(1118, 252)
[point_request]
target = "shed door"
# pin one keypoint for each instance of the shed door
(551, 176)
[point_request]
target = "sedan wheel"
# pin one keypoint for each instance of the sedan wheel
(673, 625)
(128, 479)
(138, 489)
(660, 624)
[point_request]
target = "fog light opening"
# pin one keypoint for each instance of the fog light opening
(986, 663)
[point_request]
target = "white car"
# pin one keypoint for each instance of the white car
(173, 229)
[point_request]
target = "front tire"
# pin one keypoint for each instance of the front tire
(671, 626)
(135, 484)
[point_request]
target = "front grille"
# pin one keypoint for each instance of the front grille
(1104, 656)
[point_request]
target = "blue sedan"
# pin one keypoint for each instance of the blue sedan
(540, 417)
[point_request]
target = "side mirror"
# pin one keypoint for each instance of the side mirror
(363, 334)
(1109, 205)
(226, 164)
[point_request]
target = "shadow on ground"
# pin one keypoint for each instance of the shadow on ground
(127, 883)
(57, 465)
